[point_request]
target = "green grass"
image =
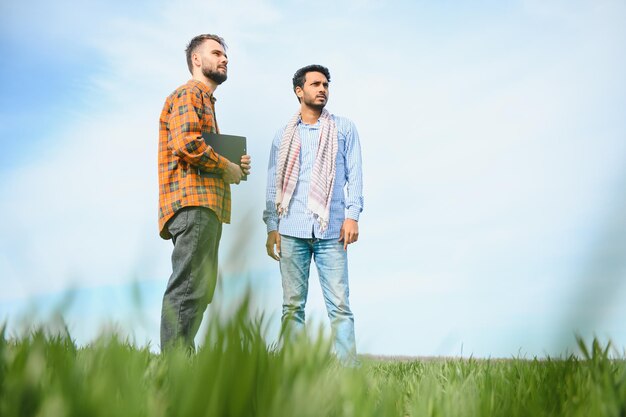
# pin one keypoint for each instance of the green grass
(237, 374)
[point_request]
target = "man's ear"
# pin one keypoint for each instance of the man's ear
(196, 60)
(299, 92)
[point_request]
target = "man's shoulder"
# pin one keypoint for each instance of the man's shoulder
(279, 133)
(178, 95)
(343, 123)
(340, 119)
(190, 87)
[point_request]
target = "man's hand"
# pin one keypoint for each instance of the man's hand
(245, 164)
(349, 232)
(232, 174)
(273, 239)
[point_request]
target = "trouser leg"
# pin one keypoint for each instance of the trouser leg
(332, 263)
(295, 262)
(196, 234)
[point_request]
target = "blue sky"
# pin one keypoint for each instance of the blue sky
(493, 138)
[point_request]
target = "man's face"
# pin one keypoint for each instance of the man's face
(213, 61)
(315, 91)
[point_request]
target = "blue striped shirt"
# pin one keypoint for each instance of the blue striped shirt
(347, 197)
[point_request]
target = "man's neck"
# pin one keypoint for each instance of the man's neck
(212, 85)
(309, 115)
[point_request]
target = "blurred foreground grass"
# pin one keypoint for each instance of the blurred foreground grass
(237, 374)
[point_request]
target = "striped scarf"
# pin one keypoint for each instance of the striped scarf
(324, 169)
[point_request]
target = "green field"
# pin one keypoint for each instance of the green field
(237, 374)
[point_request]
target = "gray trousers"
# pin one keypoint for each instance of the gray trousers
(196, 233)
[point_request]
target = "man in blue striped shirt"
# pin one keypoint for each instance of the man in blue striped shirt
(313, 202)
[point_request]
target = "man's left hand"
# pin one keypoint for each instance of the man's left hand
(349, 232)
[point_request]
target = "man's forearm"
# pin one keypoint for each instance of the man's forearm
(192, 149)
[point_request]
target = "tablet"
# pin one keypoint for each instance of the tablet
(229, 146)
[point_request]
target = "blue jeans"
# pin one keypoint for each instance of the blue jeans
(332, 266)
(196, 233)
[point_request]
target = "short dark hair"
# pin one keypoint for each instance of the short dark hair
(300, 75)
(197, 41)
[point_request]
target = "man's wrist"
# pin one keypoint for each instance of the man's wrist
(222, 163)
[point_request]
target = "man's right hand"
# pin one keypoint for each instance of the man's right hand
(273, 240)
(232, 174)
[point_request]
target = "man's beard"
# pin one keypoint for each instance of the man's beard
(313, 104)
(216, 76)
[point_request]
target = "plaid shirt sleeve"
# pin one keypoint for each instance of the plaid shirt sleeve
(185, 127)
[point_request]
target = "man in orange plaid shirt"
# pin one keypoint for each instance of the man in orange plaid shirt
(194, 190)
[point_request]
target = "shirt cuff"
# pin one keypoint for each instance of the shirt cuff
(271, 223)
(222, 163)
(353, 213)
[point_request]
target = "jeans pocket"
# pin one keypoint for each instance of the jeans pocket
(178, 223)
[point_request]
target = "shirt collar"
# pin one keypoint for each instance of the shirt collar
(310, 126)
(202, 87)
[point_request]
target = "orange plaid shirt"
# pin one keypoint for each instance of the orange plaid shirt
(190, 172)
